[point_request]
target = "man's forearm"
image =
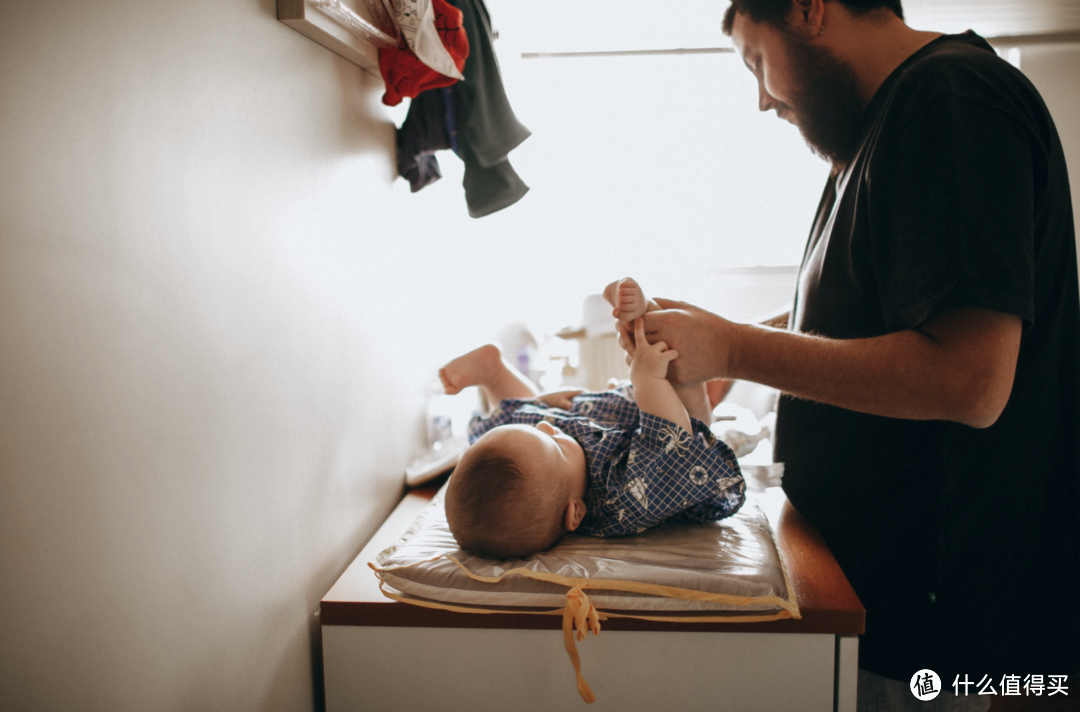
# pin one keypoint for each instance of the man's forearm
(778, 318)
(959, 368)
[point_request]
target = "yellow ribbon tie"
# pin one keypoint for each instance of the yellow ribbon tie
(580, 614)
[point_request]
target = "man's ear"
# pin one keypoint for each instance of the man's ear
(575, 512)
(810, 16)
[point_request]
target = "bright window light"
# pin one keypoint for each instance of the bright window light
(656, 165)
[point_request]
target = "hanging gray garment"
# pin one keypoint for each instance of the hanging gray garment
(487, 129)
(486, 121)
(474, 118)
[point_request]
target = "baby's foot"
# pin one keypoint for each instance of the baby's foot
(470, 369)
(630, 302)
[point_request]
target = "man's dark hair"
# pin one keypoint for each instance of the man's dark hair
(775, 12)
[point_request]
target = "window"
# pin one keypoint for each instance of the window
(655, 165)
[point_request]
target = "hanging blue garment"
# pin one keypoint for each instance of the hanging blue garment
(423, 132)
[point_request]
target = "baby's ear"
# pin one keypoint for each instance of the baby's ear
(575, 512)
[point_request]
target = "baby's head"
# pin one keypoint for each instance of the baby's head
(517, 490)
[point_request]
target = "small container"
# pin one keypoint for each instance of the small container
(440, 416)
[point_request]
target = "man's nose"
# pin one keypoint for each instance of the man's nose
(765, 99)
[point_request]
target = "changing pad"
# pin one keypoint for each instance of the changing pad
(730, 570)
(731, 565)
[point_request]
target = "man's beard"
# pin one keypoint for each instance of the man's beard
(827, 107)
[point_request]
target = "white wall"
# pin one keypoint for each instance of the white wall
(210, 353)
(218, 311)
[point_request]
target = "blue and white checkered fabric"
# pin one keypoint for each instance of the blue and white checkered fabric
(643, 470)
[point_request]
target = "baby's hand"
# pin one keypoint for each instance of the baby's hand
(649, 360)
(628, 301)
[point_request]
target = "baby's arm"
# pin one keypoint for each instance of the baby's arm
(628, 301)
(652, 391)
(561, 399)
(695, 398)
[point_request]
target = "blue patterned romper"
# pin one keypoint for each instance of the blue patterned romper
(643, 470)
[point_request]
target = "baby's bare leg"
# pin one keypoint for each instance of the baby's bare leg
(695, 399)
(486, 368)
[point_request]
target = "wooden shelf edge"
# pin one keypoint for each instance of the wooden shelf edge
(300, 16)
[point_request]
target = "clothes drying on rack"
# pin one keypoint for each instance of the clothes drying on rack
(474, 119)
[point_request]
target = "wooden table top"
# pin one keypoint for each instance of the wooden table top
(826, 600)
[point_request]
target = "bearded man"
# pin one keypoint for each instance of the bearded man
(929, 421)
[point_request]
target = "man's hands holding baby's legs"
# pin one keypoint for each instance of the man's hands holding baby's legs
(703, 340)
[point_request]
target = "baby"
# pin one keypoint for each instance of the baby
(601, 463)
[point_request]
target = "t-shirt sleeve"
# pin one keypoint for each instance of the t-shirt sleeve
(951, 212)
(672, 473)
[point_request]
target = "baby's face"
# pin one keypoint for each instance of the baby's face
(545, 450)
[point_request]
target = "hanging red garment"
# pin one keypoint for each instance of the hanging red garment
(406, 76)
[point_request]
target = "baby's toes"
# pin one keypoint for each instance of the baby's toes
(448, 383)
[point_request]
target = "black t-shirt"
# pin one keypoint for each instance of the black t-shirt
(962, 543)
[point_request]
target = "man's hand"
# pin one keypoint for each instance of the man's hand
(702, 340)
(560, 399)
(649, 360)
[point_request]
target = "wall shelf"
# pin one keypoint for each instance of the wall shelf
(353, 29)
